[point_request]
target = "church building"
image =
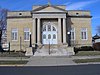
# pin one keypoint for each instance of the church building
(45, 25)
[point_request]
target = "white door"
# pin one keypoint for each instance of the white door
(49, 35)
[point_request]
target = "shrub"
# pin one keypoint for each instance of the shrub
(76, 50)
(96, 46)
(83, 48)
(86, 48)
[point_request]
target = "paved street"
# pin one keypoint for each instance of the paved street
(52, 70)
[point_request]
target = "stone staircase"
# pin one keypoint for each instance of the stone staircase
(54, 50)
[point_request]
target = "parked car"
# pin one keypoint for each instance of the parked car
(5, 46)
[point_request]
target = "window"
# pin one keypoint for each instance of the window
(84, 33)
(72, 33)
(20, 14)
(54, 36)
(49, 36)
(44, 28)
(14, 34)
(77, 14)
(26, 34)
(49, 27)
(54, 29)
(44, 36)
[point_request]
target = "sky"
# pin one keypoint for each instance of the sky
(92, 5)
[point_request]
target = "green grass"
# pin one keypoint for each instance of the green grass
(86, 60)
(12, 54)
(13, 62)
(87, 53)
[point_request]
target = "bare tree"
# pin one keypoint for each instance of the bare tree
(98, 29)
(3, 22)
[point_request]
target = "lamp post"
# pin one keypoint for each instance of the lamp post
(20, 43)
(49, 46)
(69, 35)
(30, 41)
(1, 49)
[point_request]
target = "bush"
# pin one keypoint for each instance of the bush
(96, 46)
(83, 48)
(21, 51)
(86, 48)
(76, 50)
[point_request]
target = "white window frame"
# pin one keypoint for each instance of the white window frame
(14, 30)
(83, 37)
(74, 33)
(26, 35)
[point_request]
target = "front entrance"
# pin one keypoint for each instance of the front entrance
(49, 35)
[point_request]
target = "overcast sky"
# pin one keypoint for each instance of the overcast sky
(92, 5)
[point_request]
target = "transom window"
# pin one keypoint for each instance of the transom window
(26, 34)
(53, 28)
(44, 29)
(14, 34)
(49, 28)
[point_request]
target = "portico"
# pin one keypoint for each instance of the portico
(49, 32)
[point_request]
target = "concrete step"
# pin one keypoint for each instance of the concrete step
(54, 50)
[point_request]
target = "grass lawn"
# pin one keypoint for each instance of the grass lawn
(19, 62)
(12, 54)
(87, 53)
(86, 60)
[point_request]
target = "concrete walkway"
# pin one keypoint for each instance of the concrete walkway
(50, 61)
(58, 60)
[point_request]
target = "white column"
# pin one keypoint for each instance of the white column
(34, 31)
(59, 31)
(38, 30)
(64, 31)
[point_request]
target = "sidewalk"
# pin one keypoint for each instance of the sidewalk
(50, 61)
(58, 60)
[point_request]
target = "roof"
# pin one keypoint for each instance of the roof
(96, 36)
(44, 6)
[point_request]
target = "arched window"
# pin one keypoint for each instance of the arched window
(53, 28)
(49, 27)
(44, 28)
(44, 36)
(54, 36)
(49, 36)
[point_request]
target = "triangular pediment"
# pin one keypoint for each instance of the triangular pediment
(49, 9)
